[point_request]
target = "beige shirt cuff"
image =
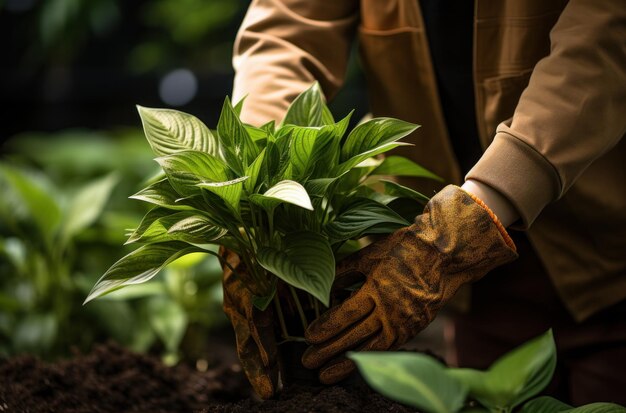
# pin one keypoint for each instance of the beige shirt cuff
(520, 173)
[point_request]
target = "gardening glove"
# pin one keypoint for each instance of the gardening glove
(254, 329)
(409, 275)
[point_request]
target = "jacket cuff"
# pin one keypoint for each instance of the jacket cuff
(520, 173)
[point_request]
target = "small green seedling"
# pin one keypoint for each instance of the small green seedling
(421, 381)
(286, 198)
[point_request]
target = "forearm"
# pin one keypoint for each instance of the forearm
(283, 46)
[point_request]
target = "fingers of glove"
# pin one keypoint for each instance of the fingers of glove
(264, 378)
(262, 327)
(346, 279)
(334, 321)
(336, 370)
(261, 369)
(340, 368)
(317, 355)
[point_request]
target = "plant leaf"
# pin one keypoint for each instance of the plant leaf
(599, 407)
(357, 159)
(545, 404)
(169, 131)
(87, 205)
(373, 134)
(185, 226)
(363, 216)
(287, 191)
(414, 379)
(238, 149)
(514, 377)
(31, 195)
(307, 109)
(229, 191)
(139, 266)
(401, 166)
(162, 193)
(308, 145)
(253, 171)
(185, 170)
(304, 261)
(397, 190)
(169, 321)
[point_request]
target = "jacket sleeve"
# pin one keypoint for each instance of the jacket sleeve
(572, 112)
(283, 46)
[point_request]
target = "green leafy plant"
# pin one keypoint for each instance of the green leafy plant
(62, 222)
(287, 199)
(39, 225)
(423, 382)
(547, 404)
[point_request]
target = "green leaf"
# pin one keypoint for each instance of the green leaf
(414, 379)
(238, 149)
(318, 187)
(229, 191)
(305, 260)
(329, 160)
(185, 170)
(401, 166)
(36, 333)
(263, 302)
(545, 404)
(162, 193)
(160, 225)
(363, 216)
(307, 109)
(287, 191)
(169, 131)
(139, 266)
(548, 404)
(373, 134)
(169, 321)
(308, 145)
(515, 377)
(152, 216)
(598, 408)
(87, 205)
(253, 171)
(35, 198)
(239, 106)
(397, 190)
(357, 159)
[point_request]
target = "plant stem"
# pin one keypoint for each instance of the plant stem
(296, 300)
(281, 317)
(316, 305)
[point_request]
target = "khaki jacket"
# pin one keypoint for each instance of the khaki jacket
(550, 87)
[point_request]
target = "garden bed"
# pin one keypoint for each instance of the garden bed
(113, 379)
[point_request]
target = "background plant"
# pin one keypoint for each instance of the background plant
(62, 217)
(423, 382)
(287, 199)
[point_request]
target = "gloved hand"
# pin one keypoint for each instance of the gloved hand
(254, 329)
(410, 275)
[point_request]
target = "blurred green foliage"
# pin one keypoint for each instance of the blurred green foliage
(63, 216)
(57, 31)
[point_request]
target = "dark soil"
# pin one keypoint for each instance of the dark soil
(112, 379)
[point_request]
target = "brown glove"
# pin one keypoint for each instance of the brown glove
(254, 330)
(410, 275)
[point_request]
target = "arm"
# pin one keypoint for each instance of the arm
(285, 45)
(572, 112)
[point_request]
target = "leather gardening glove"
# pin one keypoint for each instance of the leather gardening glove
(410, 275)
(254, 329)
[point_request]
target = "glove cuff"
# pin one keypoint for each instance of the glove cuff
(505, 235)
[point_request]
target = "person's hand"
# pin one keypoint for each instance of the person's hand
(254, 329)
(409, 276)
